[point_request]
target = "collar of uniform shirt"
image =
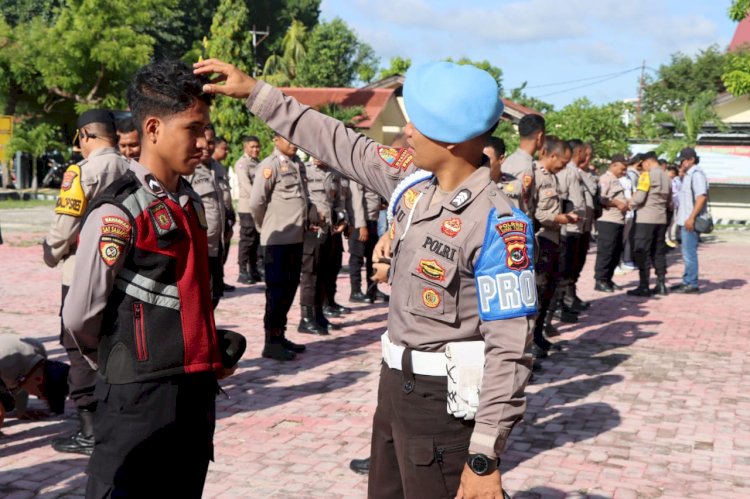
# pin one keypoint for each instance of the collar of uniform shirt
(181, 196)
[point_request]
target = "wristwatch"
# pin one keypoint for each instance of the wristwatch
(481, 464)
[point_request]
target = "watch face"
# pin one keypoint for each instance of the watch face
(480, 465)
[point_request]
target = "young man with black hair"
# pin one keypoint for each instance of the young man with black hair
(549, 217)
(82, 182)
(495, 150)
(247, 255)
(143, 302)
(518, 170)
(128, 140)
(463, 277)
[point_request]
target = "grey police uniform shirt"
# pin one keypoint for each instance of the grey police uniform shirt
(365, 204)
(324, 187)
(610, 188)
(204, 183)
(589, 183)
(571, 190)
(694, 184)
(18, 356)
(653, 197)
(428, 309)
(547, 204)
(101, 168)
(279, 201)
(222, 181)
(245, 170)
(517, 180)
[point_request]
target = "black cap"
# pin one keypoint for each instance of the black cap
(687, 153)
(635, 159)
(103, 116)
(618, 158)
(649, 155)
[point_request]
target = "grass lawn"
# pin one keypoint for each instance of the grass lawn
(15, 204)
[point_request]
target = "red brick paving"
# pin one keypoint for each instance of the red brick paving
(648, 398)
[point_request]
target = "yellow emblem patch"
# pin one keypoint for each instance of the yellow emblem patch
(267, 172)
(410, 197)
(431, 269)
(527, 179)
(509, 188)
(71, 201)
(644, 182)
(430, 298)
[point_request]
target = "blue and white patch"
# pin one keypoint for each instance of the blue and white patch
(504, 273)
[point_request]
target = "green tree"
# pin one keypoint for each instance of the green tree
(281, 69)
(683, 78)
(736, 75)
(397, 66)
(335, 57)
(603, 126)
(18, 12)
(738, 10)
(35, 140)
(688, 124)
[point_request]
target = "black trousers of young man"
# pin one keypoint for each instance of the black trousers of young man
(360, 253)
(418, 449)
(283, 264)
(650, 249)
(316, 260)
(547, 277)
(247, 255)
(153, 439)
(609, 248)
(81, 378)
(331, 274)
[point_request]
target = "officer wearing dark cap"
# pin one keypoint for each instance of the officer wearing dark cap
(463, 291)
(101, 166)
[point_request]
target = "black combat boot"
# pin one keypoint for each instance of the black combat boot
(274, 347)
(82, 440)
(660, 288)
(322, 320)
(289, 345)
(307, 323)
(360, 466)
(333, 306)
(359, 297)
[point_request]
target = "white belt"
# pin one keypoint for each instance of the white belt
(424, 363)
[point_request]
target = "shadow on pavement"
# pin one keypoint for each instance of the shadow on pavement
(61, 470)
(35, 437)
(550, 493)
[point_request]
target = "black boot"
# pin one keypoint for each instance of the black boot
(291, 346)
(338, 308)
(307, 323)
(660, 288)
(360, 297)
(360, 466)
(322, 320)
(274, 347)
(331, 312)
(82, 441)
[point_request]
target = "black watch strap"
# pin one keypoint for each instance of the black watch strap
(481, 464)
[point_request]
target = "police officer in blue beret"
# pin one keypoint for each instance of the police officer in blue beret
(463, 292)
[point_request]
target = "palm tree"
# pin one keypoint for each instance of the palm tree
(694, 116)
(281, 70)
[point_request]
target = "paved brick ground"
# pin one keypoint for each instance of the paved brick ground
(648, 398)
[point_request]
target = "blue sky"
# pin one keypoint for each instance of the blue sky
(542, 41)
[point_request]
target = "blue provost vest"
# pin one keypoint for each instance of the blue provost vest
(504, 273)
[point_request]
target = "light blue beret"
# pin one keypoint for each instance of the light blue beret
(451, 102)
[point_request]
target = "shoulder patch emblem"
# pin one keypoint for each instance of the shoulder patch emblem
(431, 269)
(110, 249)
(509, 187)
(116, 227)
(461, 198)
(513, 233)
(430, 298)
(451, 227)
(527, 180)
(395, 158)
(267, 172)
(410, 197)
(68, 179)
(162, 218)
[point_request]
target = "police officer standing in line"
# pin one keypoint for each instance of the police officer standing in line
(590, 193)
(548, 220)
(610, 226)
(247, 256)
(102, 165)
(455, 237)
(366, 209)
(143, 303)
(652, 200)
(128, 140)
(518, 168)
(324, 188)
(571, 195)
(204, 183)
(222, 181)
(281, 210)
(495, 150)
(630, 180)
